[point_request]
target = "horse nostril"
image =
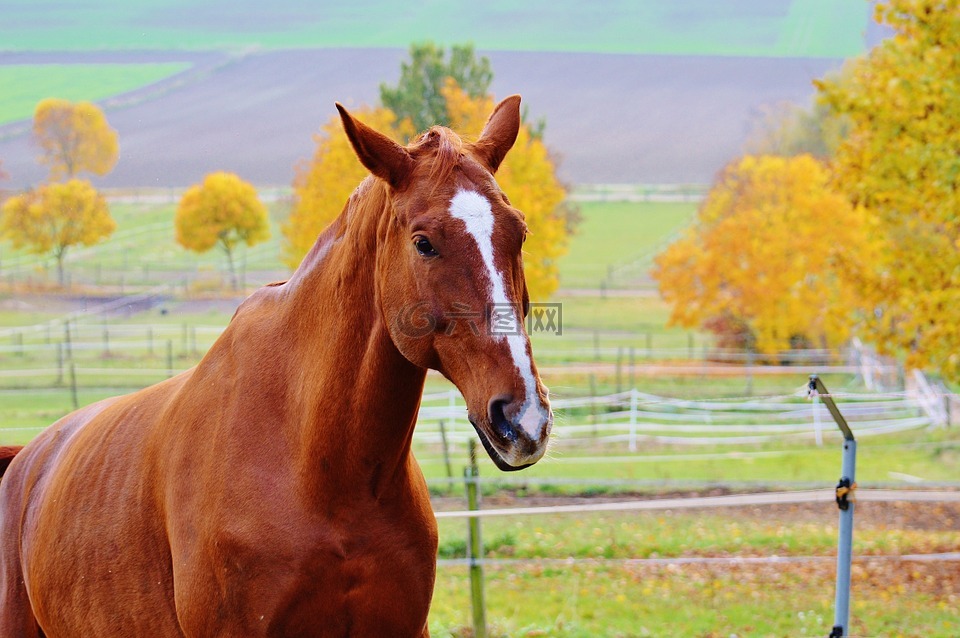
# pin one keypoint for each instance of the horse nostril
(498, 419)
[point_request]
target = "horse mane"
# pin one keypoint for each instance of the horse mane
(441, 149)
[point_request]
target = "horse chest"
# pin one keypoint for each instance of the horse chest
(360, 576)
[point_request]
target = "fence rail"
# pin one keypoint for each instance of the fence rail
(938, 557)
(702, 502)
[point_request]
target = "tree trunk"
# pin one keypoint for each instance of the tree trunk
(233, 270)
(59, 255)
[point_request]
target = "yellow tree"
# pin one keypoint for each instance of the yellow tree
(223, 211)
(322, 186)
(767, 254)
(74, 138)
(55, 217)
(901, 160)
(528, 177)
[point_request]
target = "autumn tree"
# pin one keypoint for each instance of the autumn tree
(74, 138)
(322, 186)
(418, 96)
(55, 217)
(901, 161)
(766, 257)
(790, 129)
(222, 211)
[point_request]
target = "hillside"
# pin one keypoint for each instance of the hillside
(632, 92)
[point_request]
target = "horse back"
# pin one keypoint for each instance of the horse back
(76, 491)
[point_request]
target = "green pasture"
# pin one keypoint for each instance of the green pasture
(620, 601)
(23, 85)
(767, 531)
(28, 315)
(616, 233)
(928, 455)
(780, 28)
(603, 595)
(142, 252)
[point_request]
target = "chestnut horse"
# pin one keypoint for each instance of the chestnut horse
(271, 490)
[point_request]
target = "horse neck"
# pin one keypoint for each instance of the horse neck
(356, 396)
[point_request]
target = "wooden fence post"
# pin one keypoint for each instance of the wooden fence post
(471, 478)
(446, 451)
(59, 380)
(68, 348)
(73, 386)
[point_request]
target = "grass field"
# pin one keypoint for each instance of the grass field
(789, 28)
(143, 251)
(776, 601)
(931, 457)
(610, 598)
(616, 233)
(26, 84)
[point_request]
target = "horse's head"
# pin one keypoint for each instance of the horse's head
(450, 283)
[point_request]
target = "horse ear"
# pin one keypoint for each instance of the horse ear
(382, 156)
(499, 133)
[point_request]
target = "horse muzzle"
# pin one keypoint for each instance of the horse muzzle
(514, 433)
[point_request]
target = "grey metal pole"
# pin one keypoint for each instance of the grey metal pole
(845, 489)
(841, 617)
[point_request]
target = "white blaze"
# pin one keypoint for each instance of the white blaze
(475, 211)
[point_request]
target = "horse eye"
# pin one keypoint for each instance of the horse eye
(424, 247)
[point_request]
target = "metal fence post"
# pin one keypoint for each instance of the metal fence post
(847, 484)
(633, 419)
(471, 479)
(845, 491)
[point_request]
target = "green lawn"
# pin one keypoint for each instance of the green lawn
(142, 251)
(23, 85)
(765, 601)
(788, 599)
(614, 234)
(932, 457)
(792, 28)
(786, 530)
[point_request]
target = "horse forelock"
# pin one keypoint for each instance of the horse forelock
(440, 151)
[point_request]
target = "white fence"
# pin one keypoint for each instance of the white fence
(633, 416)
(934, 403)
